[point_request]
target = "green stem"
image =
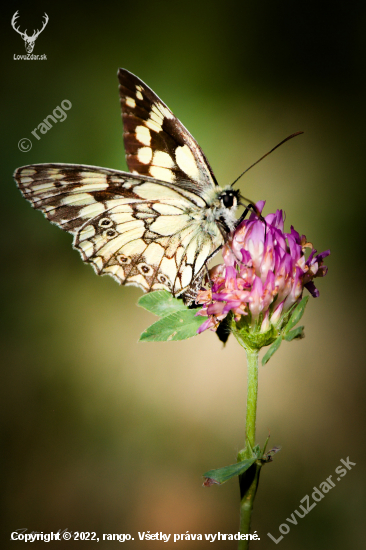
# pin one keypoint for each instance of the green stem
(252, 394)
(249, 480)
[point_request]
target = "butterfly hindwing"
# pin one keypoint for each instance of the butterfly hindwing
(67, 194)
(140, 231)
(156, 142)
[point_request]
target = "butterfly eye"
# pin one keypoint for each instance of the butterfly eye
(228, 200)
(105, 222)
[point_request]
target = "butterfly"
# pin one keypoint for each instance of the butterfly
(156, 226)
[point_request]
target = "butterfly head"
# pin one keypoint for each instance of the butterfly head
(230, 198)
(223, 207)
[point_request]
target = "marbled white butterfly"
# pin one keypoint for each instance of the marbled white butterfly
(155, 227)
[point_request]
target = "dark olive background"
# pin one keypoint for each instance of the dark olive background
(101, 433)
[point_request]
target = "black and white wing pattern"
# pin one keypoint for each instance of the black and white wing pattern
(155, 227)
(156, 142)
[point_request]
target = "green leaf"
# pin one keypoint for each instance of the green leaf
(161, 303)
(296, 315)
(224, 474)
(179, 325)
(296, 333)
(276, 344)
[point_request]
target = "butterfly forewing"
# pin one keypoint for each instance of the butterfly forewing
(156, 142)
(141, 231)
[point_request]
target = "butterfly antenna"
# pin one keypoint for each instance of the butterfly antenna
(266, 155)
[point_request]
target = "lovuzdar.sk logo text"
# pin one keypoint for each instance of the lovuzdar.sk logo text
(29, 41)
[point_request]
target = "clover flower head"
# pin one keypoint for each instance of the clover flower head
(264, 273)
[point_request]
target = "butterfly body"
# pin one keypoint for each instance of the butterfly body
(155, 227)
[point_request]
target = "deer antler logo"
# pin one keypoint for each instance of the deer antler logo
(28, 40)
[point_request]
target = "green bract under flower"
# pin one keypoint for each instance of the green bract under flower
(263, 277)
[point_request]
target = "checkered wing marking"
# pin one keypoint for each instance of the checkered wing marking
(133, 228)
(156, 142)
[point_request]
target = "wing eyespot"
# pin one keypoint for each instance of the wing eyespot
(124, 260)
(164, 280)
(109, 233)
(145, 269)
(105, 222)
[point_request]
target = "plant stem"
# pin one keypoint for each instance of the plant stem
(248, 488)
(249, 480)
(252, 394)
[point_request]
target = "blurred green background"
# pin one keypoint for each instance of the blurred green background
(101, 433)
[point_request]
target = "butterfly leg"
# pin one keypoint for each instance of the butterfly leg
(248, 207)
(208, 276)
(252, 207)
(189, 296)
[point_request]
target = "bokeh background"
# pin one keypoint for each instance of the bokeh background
(101, 433)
